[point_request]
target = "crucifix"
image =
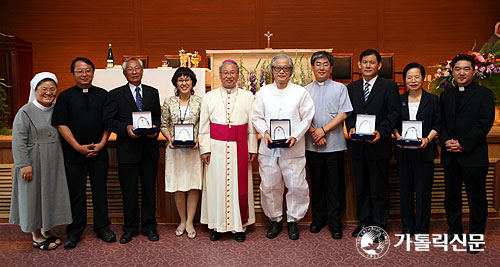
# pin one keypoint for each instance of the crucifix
(229, 121)
(268, 34)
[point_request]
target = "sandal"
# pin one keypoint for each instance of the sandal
(44, 245)
(54, 239)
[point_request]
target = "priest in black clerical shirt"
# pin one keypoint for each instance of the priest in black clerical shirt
(468, 112)
(78, 117)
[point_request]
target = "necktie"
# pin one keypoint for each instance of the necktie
(138, 98)
(366, 91)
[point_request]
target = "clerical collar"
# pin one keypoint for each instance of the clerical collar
(463, 88)
(229, 90)
(323, 83)
(84, 90)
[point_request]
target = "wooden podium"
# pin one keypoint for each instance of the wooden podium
(250, 57)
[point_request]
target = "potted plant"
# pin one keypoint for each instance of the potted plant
(4, 109)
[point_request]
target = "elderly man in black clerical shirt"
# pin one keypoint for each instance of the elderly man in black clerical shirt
(78, 117)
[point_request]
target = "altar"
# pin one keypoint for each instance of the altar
(258, 61)
(158, 78)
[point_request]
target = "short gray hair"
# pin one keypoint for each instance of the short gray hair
(225, 62)
(124, 64)
(281, 56)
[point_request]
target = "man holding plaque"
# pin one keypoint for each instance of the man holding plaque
(326, 146)
(374, 98)
(468, 112)
(137, 153)
(228, 144)
(283, 108)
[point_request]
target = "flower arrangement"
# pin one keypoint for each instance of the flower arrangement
(486, 71)
(253, 79)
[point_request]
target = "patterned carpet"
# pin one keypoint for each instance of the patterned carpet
(311, 250)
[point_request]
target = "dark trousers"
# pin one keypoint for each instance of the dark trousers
(474, 179)
(415, 179)
(326, 172)
(76, 174)
(129, 175)
(372, 190)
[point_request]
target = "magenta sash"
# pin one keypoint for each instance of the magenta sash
(238, 134)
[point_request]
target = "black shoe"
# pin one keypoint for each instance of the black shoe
(240, 236)
(127, 237)
(451, 235)
(407, 232)
(316, 227)
(152, 235)
(274, 229)
(293, 230)
(476, 249)
(71, 242)
(473, 247)
(215, 236)
(379, 238)
(107, 236)
(356, 232)
(336, 233)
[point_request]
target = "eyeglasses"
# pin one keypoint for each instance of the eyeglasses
(411, 78)
(45, 89)
(279, 69)
(130, 70)
(229, 73)
(82, 71)
(184, 80)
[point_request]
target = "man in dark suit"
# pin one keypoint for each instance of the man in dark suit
(377, 96)
(137, 155)
(468, 112)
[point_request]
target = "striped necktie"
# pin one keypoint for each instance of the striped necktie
(138, 98)
(366, 91)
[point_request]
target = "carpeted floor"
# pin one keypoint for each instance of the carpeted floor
(311, 250)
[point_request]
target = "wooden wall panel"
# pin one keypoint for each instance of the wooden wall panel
(424, 31)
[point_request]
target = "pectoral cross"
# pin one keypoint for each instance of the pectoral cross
(268, 34)
(229, 121)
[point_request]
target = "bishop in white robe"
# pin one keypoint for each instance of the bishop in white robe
(228, 144)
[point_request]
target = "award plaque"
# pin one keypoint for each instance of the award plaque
(183, 135)
(365, 126)
(411, 132)
(143, 124)
(280, 131)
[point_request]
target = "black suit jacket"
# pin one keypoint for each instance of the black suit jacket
(117, 114)
(469, 124)
(383, 102)
(429, 113)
